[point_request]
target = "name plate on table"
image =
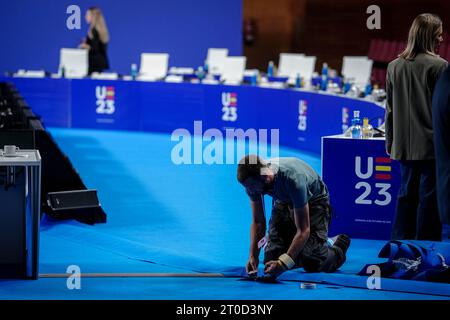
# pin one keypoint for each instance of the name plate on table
(363, 183)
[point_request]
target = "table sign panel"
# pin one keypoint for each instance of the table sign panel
(363, 183)
(301, 117)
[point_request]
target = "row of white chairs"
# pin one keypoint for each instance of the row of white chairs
(155, 66)
(356, 68)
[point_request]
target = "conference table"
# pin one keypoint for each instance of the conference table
(302, 117)
(297, 118)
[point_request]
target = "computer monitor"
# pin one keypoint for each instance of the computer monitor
(289, 64)
(216, 60)
(357, 68)
(307, 67)
(75, 63)
(154, 66)
(233, 72)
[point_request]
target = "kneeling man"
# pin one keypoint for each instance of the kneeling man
(301, 214)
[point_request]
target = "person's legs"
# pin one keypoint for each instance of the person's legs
(316, 255)
(443, 183)
(404, 224)
(281, 232)
(429, 226)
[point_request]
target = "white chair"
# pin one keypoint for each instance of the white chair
(233, 71)
(216, 60)
(74, 61)
(357, 68)
(289, 64)
(306, 67)
(154, 66)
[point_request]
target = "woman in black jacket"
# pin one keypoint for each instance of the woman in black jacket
(96, 41)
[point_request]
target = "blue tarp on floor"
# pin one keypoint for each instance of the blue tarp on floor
(177, 219)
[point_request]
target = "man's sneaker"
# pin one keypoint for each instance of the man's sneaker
(342, 241)
(341, 245)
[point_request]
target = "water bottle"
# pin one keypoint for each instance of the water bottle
(367, 129)
(200, 73)
(347, 86)
(134, 71)
(270, 69)
(356, 129)
(205, 66)
(368, 90)
(324, 77)
(375, 92)
(331, 86)
(325, 69)
(324, 83)
(254, 79)
(298, 81)
(63, 72)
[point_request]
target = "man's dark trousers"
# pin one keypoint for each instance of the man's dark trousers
(316, 255)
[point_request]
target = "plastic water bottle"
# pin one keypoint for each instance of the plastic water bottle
(324, 83)
(270, 69)
(368, 90)
(347, 86)
(324, 78)
(367, 129)
(254, 79)
(325, 69)
(298, 81)
(134, 71)
(63, 72)
(331, 86)
(356, 129)
(205, 66)
(200, 73)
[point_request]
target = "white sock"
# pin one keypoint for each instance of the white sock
(330, 242)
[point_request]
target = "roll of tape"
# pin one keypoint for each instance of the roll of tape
(308, 285)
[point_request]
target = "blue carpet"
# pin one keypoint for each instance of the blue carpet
(172, 218)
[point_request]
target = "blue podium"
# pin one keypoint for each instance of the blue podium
(363, 184)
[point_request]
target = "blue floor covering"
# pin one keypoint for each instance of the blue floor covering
(167, 218)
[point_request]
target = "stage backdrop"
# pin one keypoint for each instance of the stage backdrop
(33, 31)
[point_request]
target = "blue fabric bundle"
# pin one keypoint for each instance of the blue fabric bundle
(415, 260)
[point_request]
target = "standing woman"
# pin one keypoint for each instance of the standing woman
(97, 40)
(410, 83)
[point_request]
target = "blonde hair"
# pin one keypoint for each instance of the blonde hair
(98, 22)
(423, 36)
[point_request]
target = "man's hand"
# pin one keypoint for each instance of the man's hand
(274, 268)
(252, 265)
